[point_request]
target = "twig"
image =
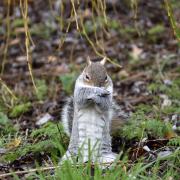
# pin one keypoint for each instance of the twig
(77, 26)
(28, 171)
(7, 37)
(175, 28)
(50, 168)
(8, 89)
(28, 39)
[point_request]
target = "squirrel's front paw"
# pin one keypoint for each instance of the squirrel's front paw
(102, 92)
(90, 98)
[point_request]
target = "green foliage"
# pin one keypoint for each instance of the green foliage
(27, 148)
(68, 81)
(98, 23)
(42, 30)
(18, 22)
(155, 30)
(173, 109)
(174, 141)
(53, 134)
(89, 27)
(42, 89)
(172, 91)
(5, 125)
(113, 24)
(139, 170)
(20, 109)
(172, 20)
(140, 126)
(3, 119)
(127, 30)
(47, 139)
(175, 4)
(49, 130)
(157, 128)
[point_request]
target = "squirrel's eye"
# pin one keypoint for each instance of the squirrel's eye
(87, 77)
(106, 78)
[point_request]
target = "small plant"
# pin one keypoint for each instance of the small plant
(20, 109)
(68, 81)
(5, 125)
(50, 138)
(155, 30)
(42, 30)
(174, 141)
(42, 89)
(140, 126)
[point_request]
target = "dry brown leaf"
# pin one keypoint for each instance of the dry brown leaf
(136, 52)
(52, 58)
(14, 42)
(169, 135)
(14, 143)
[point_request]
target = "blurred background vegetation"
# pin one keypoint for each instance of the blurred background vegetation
(43, 47)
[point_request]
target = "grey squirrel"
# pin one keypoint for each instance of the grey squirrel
(87, 115)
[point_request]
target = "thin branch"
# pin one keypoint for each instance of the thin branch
(8, 89)
(52, 168)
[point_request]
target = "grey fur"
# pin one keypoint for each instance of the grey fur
(67, 115)
(92, 114)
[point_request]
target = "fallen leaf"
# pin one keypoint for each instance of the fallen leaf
(123, 74)
(136, 52)
(14, 143)
(44, 119)
(52, 58)
(170, 135)
(14, 42)
(166, 101)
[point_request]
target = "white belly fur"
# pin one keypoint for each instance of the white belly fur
(90, 129)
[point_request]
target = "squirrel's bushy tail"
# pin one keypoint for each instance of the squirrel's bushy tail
(67, 115)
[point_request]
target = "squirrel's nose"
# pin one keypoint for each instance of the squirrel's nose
(101, 85)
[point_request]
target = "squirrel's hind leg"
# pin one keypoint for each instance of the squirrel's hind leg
(108, 160)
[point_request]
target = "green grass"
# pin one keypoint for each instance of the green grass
(124, 170)
(50, 140)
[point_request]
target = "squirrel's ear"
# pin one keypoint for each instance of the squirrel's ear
(89, 60)
(103, 61)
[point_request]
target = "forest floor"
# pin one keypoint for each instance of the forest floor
(147, 87)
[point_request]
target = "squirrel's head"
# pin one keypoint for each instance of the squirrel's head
(95, 74)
